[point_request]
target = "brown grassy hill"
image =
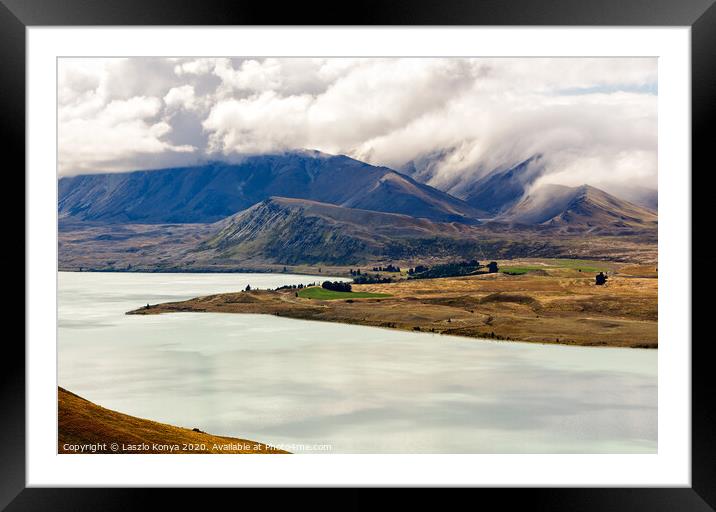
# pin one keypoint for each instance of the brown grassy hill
(295, 231)
(80, 422)
(291, 230)
(584, 209)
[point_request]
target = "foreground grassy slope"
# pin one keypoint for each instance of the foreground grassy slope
(553, 304)
(81, 422)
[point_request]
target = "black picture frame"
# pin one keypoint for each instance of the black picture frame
(700, 15)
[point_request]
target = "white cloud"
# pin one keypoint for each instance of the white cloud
(181, 97)
(593, 119)
(252, 75)
(195, 66)
(115, 134)
(262, 123)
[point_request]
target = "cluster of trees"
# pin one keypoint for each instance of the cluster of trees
(286, 287)
(601, 279)
(445, 270)
(336, 286)
(368, 279)
(453, 269)
(470, 266)
(355, 272)
(292, 287)
(389, 268)
(456, 268)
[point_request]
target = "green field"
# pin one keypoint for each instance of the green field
(519, 270)
(323, 294)
(583, 265)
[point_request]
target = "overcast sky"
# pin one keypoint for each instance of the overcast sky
(593, 120)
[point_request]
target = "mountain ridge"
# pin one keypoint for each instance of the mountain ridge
(213, 191)
(500, 190)
(290, 231)
(579, 209)
(310, 231)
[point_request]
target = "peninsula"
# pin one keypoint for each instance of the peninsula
(542, 301)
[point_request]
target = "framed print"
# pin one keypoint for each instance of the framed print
(419, 250)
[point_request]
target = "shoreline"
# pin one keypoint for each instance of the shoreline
(195, 271)
(530, 309)
(425, 333)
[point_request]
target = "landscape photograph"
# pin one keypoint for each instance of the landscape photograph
(262, 255)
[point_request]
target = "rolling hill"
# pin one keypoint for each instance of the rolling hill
(208, 193)
(291, 230)
(584, 209)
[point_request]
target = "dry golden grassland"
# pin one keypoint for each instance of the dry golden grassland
(552, 302)
(82, 423)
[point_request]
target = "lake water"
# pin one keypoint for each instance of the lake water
(325, 387)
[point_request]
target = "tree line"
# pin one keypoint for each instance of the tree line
(336, 286)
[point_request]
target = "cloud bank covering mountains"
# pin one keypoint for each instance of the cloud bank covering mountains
(449, 123)
(210, 193)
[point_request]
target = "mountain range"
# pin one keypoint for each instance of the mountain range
(211, 192)
(310, 207)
